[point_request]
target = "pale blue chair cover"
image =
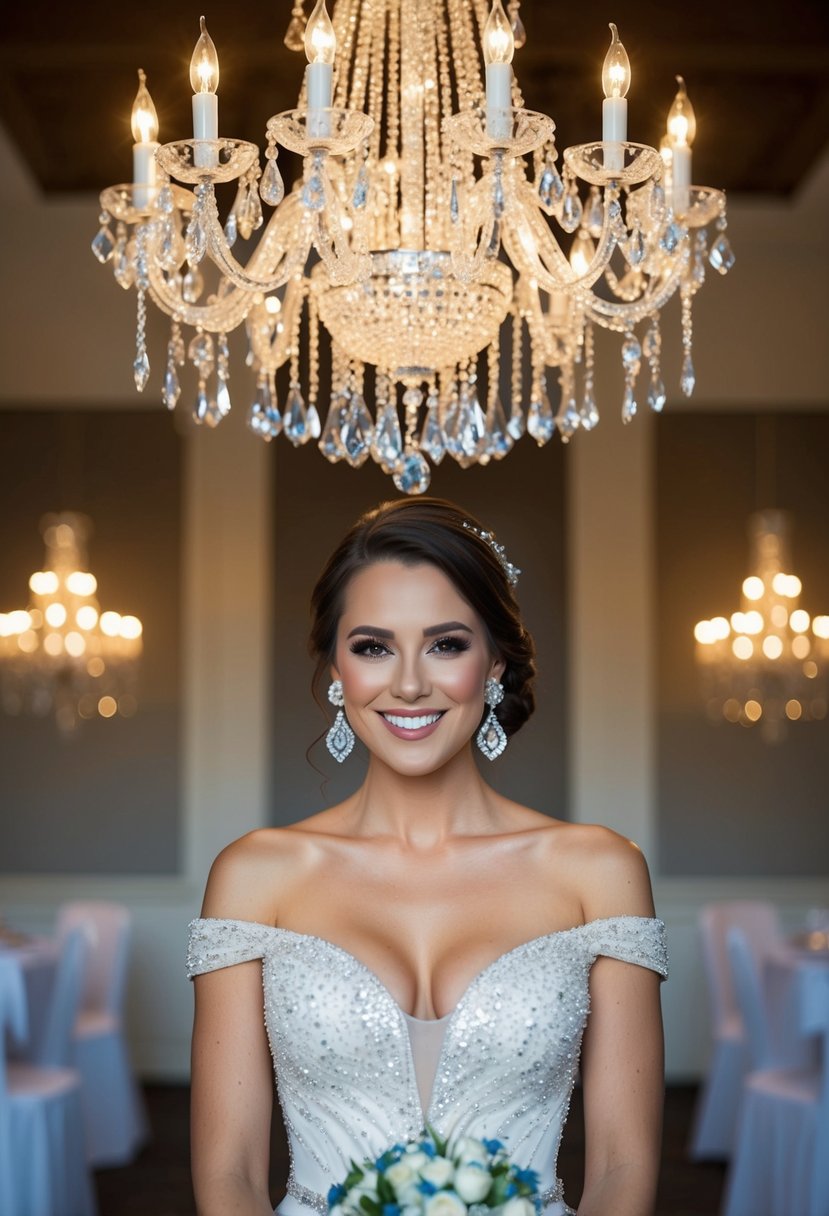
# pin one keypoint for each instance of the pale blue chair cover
(43, 1170)
(779, 1167)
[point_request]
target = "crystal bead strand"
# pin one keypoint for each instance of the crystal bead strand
(687, 378)
(589, 414)
(631, 362)
(295, 420)
(517, 425)
(652, 348)
(141, 366)
(312, 414)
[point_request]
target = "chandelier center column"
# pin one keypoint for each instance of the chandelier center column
(411, 126)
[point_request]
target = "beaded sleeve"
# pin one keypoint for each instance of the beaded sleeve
(215, 943)
(633, 939)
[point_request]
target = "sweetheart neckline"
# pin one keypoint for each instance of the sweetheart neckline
(479, 975)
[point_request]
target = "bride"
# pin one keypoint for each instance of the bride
(429, 950)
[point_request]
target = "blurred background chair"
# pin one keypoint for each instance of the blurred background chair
(115, 1121)
(715, 1117)
(779, 1166)
(43, 1169)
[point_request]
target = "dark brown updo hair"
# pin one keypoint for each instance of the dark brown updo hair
(432, 531)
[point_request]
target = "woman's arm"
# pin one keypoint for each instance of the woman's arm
(232, 1079)
(623, 1051)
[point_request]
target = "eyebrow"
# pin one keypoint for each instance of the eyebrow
(432, 631)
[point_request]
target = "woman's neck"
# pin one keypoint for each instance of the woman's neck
(424, 811)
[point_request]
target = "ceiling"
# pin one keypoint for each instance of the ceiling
(758, 76)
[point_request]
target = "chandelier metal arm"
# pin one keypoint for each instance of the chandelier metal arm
(534, 250)
(621, 317)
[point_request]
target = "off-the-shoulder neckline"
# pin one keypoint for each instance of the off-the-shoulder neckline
(476, 979)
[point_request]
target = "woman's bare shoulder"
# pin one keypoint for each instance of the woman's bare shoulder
(612, 873)
(250, 876)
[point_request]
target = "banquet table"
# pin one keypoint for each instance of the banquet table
(37, 959)
(796, 981)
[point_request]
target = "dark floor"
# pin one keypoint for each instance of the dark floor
(158, 1184)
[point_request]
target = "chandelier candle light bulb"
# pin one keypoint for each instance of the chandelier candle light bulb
(320, 48)
(204, 81)
(499, 48)
(144, 124)
(682, 127)
(615, 82)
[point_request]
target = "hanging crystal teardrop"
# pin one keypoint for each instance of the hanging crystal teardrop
(271, 185)
(331, 444)
(103, 244)
(357, 432)
(721, 256)
(412, 475)
(171, 390)
(432, 440)
(497, 438)
(541, 423)
(294, 418)
(387, 443)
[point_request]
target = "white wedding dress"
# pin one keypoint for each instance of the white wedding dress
(355, 1074)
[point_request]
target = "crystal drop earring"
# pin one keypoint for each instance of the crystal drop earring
(492, 738)
(340, 738)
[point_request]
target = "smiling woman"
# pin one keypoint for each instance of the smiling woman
(431, 948)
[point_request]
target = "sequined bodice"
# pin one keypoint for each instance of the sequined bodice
(343, 1056)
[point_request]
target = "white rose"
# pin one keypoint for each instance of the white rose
(518, 1207)
(469, 1149)
(411, 1200)
(472, 1182)
(445, 1203)
(416, 1158)
(438, 1171)
(400, 1174)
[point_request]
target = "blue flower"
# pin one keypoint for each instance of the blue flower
(530, 1177)
(510, 1190)
(493, 1146)
(426, 1188)
(391, 1209)
(428, 1148)
(335, 1194)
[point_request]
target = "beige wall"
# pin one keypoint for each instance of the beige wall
(68, 338)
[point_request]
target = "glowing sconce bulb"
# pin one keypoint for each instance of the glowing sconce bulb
(616, 67)
(581, 253)
(499, 48)
(204, 81)
(144, 124)
(320, 48)
(682, 123)
(144, 119)
(615, 82)
(320, 39)
(204, 63)
(682, 127)
(499, 40)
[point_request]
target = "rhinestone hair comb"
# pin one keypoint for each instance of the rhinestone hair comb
(512, 572)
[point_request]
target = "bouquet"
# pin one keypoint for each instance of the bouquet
(435, 1177)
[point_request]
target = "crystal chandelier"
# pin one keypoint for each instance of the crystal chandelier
(62, 655)
(768, 663)
(431, 236)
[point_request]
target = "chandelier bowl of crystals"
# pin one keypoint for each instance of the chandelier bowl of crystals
(429, 234)
(768, 663)
(62, 655)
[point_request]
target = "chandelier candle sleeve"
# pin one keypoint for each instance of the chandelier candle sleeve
(615, 82)
(320, 48)
(144, 123)
(499, 48)
(204, 80)
(682, 127)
